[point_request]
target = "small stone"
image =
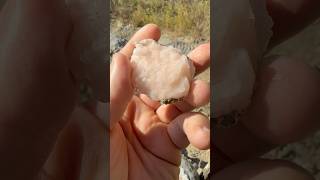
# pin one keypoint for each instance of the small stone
(169, 101)
(161, 72)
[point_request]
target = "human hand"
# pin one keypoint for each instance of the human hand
(146, 137)
(284, 107)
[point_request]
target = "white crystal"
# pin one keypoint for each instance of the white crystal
(161, 72)
(241, 32)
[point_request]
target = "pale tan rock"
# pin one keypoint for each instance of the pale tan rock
(161, 72)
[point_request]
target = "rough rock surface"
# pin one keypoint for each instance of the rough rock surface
(161, 72)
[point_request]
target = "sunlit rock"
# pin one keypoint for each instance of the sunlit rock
(161, 72)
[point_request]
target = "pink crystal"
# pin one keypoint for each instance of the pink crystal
(161, 72)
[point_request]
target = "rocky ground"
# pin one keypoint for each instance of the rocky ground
(306, 153)
(195, 163)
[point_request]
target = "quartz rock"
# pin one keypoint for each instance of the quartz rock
(161, 72)
(241, 31)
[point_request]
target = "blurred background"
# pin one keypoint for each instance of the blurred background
(184, 24)
(305, 47)
(179, 18)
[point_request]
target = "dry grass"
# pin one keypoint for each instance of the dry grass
(181, 17)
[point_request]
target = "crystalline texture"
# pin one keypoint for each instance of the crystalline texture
(161, 72)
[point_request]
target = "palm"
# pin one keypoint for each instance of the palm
(148, 144)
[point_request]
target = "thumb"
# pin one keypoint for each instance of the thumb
(121, 90)
(190, 128)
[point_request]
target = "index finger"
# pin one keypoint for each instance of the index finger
(149, 31)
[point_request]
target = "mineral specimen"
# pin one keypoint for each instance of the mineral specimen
(241, 32)
(161, 72)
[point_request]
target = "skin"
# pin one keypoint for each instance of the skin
(26, 119)
(152, 135)
(274, 117)
(38, 92)
(46, 135)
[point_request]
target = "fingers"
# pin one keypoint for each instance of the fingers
(151, 103)
(149, 31)
(200, 57)
(190, 128)
(120, 78)
(121, 90)
(199, 95)
(284, 109)
(285, 105)
(167, 112)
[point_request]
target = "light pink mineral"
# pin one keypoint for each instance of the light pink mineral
(161, 72)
